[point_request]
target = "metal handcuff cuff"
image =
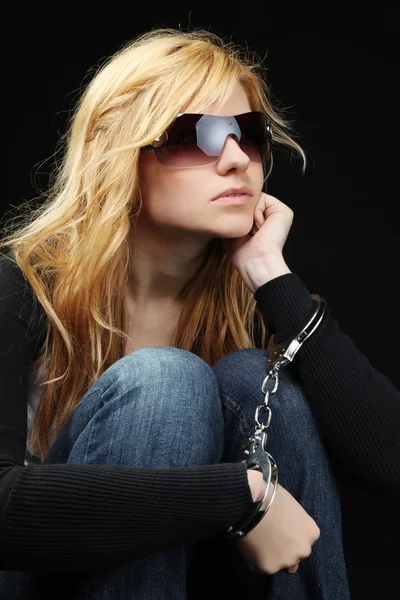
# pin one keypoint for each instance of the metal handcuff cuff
(257, 456)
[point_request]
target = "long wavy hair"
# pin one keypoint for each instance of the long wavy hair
(75, 248)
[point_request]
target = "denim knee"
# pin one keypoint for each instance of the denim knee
(157, 406)
(177, 380)
(294, 439)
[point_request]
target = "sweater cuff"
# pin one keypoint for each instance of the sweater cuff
(285, 304)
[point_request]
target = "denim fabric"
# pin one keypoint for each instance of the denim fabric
(165, 407)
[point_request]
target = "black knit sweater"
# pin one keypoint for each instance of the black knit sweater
(79, 517)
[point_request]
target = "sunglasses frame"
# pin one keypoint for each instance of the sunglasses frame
(162, 139)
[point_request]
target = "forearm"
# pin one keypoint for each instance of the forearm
(79, 517)
(357, 408)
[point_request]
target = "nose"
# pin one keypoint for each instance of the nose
(232, 157)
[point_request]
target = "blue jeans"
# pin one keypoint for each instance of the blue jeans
(165, 407)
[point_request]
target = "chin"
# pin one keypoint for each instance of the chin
(236, 233)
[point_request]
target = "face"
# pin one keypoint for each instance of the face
(178, 202)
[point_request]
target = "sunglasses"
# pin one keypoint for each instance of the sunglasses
(195, 139)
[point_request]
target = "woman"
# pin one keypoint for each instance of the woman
(134, 292)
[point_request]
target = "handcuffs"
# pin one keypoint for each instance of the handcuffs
(257, 456)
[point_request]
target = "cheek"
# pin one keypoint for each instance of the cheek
(258, 174)
(167, 200)
(155, 184)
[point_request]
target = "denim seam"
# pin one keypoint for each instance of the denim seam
(102, 403)
(92, 391)
(238, 411)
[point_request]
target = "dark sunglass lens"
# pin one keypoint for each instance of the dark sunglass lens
(254, 140)
(181, 149)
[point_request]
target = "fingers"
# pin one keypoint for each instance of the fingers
(268, 205)
(266, 201)
(294, 568)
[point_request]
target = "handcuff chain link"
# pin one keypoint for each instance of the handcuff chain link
(273, 374)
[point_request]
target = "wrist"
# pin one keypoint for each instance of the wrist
(255, 480)
(263, 270)
(262, 496)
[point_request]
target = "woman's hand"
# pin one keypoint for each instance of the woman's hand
(258, 256)
(284, 536)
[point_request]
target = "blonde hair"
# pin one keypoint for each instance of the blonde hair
(74, 249)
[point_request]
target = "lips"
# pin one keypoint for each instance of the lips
(243, 190)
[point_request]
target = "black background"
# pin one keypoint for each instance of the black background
(337, 69)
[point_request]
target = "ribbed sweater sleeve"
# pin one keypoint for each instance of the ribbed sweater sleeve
(82, 517)
(357, 408)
